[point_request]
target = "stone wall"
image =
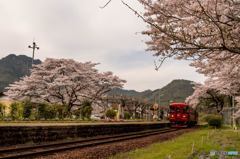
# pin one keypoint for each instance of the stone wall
(12, 135)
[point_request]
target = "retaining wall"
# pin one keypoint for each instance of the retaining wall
(12, 135)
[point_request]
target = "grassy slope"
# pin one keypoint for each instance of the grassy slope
(181, 147)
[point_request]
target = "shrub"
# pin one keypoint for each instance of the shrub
(42, 111)
(86, 110)
(62, 111)
(111, 113)
(34, 114)
(27, 108)
(16, 111)
(2, 110)
(127, 115)
(214, 120)
(77, 113)
(48, 111)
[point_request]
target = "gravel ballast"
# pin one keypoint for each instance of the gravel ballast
(107, 150)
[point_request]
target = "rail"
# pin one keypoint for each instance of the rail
(36, 150)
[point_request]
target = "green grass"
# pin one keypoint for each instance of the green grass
(204, 141)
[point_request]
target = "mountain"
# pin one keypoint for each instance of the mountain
(176, 91)
(13, 67)
(119, 91)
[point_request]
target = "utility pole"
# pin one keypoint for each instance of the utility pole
(33, 47)
(159, 103)
(233, 111)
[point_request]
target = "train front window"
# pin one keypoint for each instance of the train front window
(172, 109)
(178, 110)
(175, 110)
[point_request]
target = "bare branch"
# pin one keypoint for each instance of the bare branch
(106, 4)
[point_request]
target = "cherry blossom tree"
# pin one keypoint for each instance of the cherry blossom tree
(223, 76)
(64, 81)
(224, 84)
(192, 29)
(204, 31)
(207, 95)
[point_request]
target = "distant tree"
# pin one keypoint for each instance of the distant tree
(65, 82)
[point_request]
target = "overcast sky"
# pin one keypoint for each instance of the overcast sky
(80, 30)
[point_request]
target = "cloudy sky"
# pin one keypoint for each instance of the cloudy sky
(80, 30)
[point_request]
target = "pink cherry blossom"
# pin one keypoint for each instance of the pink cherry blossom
(64, 81)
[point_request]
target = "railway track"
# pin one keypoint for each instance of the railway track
(36, 150)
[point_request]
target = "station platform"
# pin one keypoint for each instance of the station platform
(21, 133)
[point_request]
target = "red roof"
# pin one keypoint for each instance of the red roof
(179, 104)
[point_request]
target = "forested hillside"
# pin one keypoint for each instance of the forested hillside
(13, 67)
(175, 91)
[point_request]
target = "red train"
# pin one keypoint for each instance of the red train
(181, 114)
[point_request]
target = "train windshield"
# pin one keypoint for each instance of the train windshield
(179, 109)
